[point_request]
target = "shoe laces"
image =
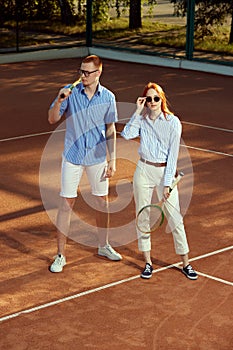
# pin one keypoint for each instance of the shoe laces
(148, 268)
(109, 248)
(59, 259)
(190, 269)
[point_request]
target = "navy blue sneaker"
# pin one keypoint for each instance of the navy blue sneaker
(147, 272)
(189, 272)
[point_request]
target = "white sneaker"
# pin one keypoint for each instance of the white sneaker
(59, 262)
(109, 253)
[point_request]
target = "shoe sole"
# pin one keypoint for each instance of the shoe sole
(55, 271)
(105, 256)
(189, 277)
(145, 277)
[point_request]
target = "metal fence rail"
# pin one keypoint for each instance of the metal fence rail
(163, 12)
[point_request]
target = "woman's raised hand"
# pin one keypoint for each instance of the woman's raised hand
(140, 104)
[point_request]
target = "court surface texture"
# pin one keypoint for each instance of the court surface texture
(96, 303)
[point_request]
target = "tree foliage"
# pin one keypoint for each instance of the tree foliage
(207, 14)
(70, 11)
(28, 10)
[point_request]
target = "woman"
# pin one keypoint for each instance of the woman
(160, 133)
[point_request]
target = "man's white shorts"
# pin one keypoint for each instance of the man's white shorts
(71, 175)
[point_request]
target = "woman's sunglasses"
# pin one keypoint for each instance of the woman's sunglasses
(150, 98)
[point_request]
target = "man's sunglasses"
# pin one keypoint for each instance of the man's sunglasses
(86, 72)
(150, 98)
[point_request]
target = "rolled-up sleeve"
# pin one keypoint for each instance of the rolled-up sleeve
(132, 128)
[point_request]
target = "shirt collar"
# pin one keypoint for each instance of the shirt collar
(98, 90)
(160, 117)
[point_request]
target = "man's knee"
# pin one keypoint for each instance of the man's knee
(64, 215)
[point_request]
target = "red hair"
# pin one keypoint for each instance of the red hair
(161, 94)
(95, 60)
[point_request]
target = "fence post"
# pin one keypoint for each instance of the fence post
(89, 23)
(190, 29)
(17, 25)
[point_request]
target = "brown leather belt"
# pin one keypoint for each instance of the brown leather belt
(151, 163)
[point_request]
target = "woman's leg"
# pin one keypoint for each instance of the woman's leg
(175, 222)
(143, 191)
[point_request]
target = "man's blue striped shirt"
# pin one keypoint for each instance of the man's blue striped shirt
(85, 138)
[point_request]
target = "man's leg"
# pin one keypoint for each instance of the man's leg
(63, 223)
(70, 178)
(99, 188)
(102, 219)
(63, 226)
(102, 223)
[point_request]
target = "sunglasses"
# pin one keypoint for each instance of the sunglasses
(86, 72)
(150, 99)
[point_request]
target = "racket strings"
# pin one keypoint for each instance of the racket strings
(149, 218)
(155, 219)
(152, 216)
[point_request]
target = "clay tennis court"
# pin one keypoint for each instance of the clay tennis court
(95, 303)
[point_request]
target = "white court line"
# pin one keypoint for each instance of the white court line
(208, 126)
(113, 284)
(212, 253)
(62, 130)
(215, 278)
(31, 135)
(208, 151)
(190, 123)
(124, 120)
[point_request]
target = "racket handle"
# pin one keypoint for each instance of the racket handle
(175, 182)
(70, 88)
(62, 95)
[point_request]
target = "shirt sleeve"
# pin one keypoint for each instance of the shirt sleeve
(62, 107)
(132, 128)
(174, 146)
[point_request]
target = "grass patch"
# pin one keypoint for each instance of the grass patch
(152, 34)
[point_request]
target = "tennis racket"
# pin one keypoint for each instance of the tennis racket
(151, 216)
(62, 95)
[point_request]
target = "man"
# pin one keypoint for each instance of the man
(90, 111)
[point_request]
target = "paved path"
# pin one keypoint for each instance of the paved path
(163, 12)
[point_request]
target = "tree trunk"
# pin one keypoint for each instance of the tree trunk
(66, 12)
(135, 20)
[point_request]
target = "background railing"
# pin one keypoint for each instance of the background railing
(162, 33)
